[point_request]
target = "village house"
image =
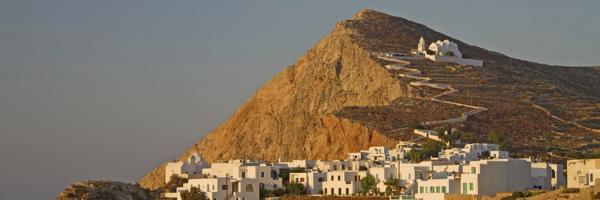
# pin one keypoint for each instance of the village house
(238, 179)
(541, 176)
(343, 183)
(582, 173)
(474, 151)
(488, 177)
(221, 188)
(383, 174)
(312, 180)
(307, 164)
(438, 187)
(191, 168)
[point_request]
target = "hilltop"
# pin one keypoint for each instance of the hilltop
(338, 98)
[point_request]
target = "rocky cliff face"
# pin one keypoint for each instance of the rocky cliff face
(98, 190)
(335, 97)
(289, 117)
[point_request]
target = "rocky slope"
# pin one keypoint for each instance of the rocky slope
(339, 98)
(97, 190)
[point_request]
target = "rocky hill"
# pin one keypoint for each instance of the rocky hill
(97, 190)
(339, 97)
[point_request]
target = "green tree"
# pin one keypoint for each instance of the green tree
(295, 189)
(432, 148)
(499, 139)
(442, 134)
(174, 182)
(414, 124)
(415, 155)
(193, 194)
(391, 185)
(368, 183)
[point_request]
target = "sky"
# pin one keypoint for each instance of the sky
(109, 89)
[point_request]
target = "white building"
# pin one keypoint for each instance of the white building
(445, 51)
(488, 177)
(343, 183)
(437, 188)
(472, 152)
(384, 174)
(312, 180)
(192, 168)
(331, 165)
(221, 188)
(267, 175)
(431, 134)
(357, 156)
(378, 153)
(541, 176)
(582, 173)
(307, 164)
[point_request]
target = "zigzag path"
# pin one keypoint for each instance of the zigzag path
(425, 82)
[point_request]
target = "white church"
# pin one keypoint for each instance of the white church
(444, 51)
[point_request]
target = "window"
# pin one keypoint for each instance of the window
(443, 189)
(347, 191)
(431, 189)
(243, 174)
(464, 188)
(274, 186)
(591, 178)
(325, 190)
(339, 178)
(297, 180)
(302, 180)
(332, 191)
(249, 188)
(553, 174)
(332, 177)
(471, 186)
(582, 179)
(473, 170)
(437, 189)
(320, 179)
(421, 189)
(224, 187)
(262, 174)
(340, 191)
(273, 174)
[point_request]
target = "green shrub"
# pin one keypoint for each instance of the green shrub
(571, 190)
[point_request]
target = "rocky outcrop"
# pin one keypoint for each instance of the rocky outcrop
(288, 117)
(100, 190)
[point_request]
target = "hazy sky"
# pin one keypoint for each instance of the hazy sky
(109, 89)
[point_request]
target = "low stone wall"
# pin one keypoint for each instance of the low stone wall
(335, 198)
(460, 197)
